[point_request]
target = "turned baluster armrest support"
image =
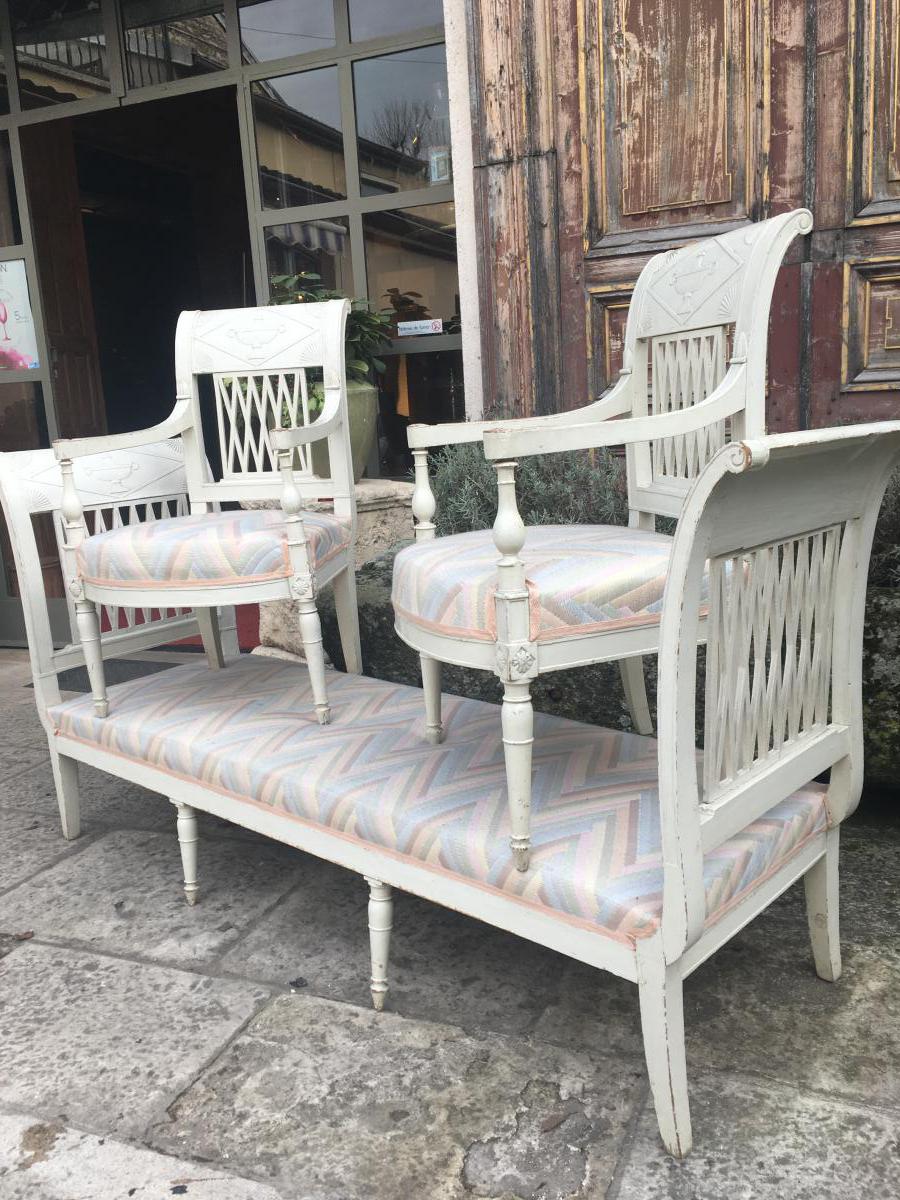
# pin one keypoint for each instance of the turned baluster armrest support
(74, 525)
(421, 438)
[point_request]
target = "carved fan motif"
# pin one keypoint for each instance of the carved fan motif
(256, 339)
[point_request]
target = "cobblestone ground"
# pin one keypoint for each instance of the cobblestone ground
(150, 1050)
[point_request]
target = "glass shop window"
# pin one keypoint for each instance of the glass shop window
(10, 229)
(299, 141)
(61, 51)
(280, 28)
(167, 40)
(402, 121)
(382, 18)
(319, 247)
(411, 267)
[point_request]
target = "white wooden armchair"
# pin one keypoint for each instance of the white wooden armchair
(693, 377)
(665, 851)
(265, 366)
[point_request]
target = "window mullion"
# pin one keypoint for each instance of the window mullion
(8, 49)
(115, 46)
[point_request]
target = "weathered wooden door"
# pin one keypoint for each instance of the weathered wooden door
(52, 180)
(610, 129)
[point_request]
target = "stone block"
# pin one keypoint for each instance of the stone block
(326, 1100)
(108, 1042)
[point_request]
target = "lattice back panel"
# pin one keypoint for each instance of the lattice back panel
(685, 369)
(99, 519)
(248, 407)
(769, 652)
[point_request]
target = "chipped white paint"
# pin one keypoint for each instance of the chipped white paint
(752, 498)
(259, 361)
(678, 400)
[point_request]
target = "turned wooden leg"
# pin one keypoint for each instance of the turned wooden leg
(208, 622)
(517, 720)
(188, 837)
(348, 619)
(381, 916)
(88, 623)
(311, 635)
(65, 776)
(822, 910)
(635, 687)
(662, 1024)
(431, 686)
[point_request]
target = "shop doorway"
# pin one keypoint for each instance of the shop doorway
(138, 213)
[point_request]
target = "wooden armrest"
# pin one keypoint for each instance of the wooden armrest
(177, 422)
(517, 439)
(301, 435)
(613, 403)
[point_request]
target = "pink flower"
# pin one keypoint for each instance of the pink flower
(13, 360)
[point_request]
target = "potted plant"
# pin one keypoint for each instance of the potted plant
(367, 334)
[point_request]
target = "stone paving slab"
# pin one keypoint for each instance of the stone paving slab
(15, 760)
(28, 843)
(49, 1161)
(106, 803)
(757, 1006)
(757, 1141)
(107, 1042)
(325, 1100)
(123, 893)
(869, 886)
(21, 724)
(443, 966)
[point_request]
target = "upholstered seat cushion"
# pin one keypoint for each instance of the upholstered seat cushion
(250, 731)
(209, 549)
(580, 578)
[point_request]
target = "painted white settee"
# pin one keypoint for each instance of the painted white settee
(646, 856)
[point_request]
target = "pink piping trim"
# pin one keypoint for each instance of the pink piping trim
(578, 922)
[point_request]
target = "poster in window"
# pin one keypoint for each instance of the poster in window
(18, 345)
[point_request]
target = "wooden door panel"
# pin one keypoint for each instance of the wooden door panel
(671, 92)
(875, 121)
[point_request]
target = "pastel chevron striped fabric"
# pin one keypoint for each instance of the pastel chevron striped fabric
(206, 549)
(250, 731)
(580, 577)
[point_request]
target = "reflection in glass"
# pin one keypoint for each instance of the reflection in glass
(321, 247)
(10, 230)
(278, 28)
(61, 52)
(417, 388)
(381, 18)
(298, 139)
(172, 39)
(23, 425)
(411, 265)
(4, 90)
(402, 120)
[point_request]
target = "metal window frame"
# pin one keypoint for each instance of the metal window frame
(343, 55)
(239, 76)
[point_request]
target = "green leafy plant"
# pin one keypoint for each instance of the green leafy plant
(576, 487)
(884, 570)
(367, 332)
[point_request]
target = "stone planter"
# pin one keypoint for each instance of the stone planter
(362, 406)
(384, 517)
